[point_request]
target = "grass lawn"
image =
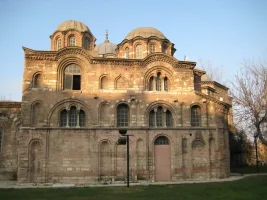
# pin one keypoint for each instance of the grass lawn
(249, 169)
(247, 188)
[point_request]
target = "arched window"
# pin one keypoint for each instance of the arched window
(127, 53)
(161, 140)
(36, 113)
(166, 83)
(73, 116)
(72, 41)
(1, 139)
(152, 48)
(104, 83)
(195, 116)
(72, 76)
(58, 43)
(82, 118)
(138, 51)
(63, 118)
(160, 117)
(86, 43)
(168, 118)
(151, 84)
(158, 82)
(122, 115)
(38, 80)
(164, 48)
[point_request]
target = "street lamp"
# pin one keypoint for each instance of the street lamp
(122, 141)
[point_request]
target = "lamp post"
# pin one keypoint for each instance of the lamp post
(123, 135)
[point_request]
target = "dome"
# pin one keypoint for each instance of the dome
(106, 47)
(205, 77)
(145, 32)
(71, 24)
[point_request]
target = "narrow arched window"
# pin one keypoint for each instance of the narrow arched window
(36, 113)
(152, 118)
(138, 51)
(72, 79)
(127, 53)
(73, 116)
(159, 117)
(82, 118)
(168, 118)
(86, 44)
(195, 116)
(151, 84)
(72, 41)
(58, 43)
(38, 80)
(152, 48)
(161, 140)
(164, 48)
(63, 118)
(122, 115)
(1, 139)
(158, 82)
(166, 83)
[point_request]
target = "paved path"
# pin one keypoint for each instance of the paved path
(14, 184)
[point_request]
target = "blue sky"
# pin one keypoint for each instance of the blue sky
(224, 32)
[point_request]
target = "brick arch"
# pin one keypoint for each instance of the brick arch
(163, 104)
(36, 82)
(66, 104)
(103, 115)
(101, 84)
(105, 159)
(154, 71)
(65, 62)
(116, 83)
(116, 114)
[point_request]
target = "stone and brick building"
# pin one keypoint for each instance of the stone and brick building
(78, 95)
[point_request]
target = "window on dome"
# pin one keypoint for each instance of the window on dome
(87, 44)
(152, 48)
(72, 76)
(72, 41)
(164, 48)
(138, 51)
(127, 52)
(58, 43)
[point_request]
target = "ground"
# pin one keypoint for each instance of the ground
(248, 188)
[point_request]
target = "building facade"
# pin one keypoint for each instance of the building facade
(77, 96)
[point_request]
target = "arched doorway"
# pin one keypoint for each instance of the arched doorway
(162, 152)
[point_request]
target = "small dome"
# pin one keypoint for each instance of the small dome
(106, 48)
(71, 24)
(205, 77)
(145, 32)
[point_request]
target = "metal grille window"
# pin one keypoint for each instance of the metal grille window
(159, 117)
(139, 51)
(152, 118)
(168, 118)
(150, 83)
(127, 53)
(58, 44)
(122, 115)
(72, 41)
(152, 48)
(161, 140)
(166, 84)
(87, 44)
(158, 82)
(63, 118)
(82, 118)
(73, 117)
(1, 138)
(195, 116)
(72, 76)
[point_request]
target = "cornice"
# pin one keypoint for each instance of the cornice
(199, 72)
(215, 83)
(56, 55)
(213, 99)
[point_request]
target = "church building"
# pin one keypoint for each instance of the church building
(79, 94)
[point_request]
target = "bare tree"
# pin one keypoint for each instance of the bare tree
(249, 94)
(214, 73)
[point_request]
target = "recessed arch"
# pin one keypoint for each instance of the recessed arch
(38, 80)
